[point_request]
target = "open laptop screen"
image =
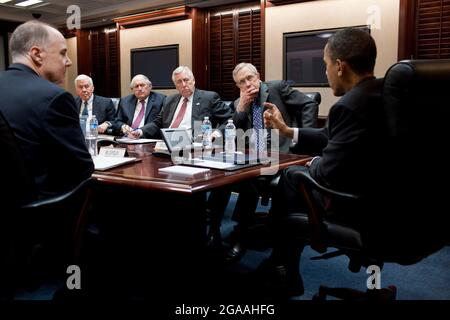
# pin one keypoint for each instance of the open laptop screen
(176, 138)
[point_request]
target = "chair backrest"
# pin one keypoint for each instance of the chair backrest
(315, 96)
(415, 101)
(115, 102)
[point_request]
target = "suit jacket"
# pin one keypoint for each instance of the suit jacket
(45, 121)
(298, 110)
(352, 140)
(103, 108)
(127, 106)
(204, 104)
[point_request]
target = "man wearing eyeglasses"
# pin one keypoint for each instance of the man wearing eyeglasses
(295, 107)
(139, 108)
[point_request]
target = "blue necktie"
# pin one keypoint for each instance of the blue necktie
(258, 126)
(85, 110)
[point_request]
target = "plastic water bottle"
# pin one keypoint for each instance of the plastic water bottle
(92, 135)
(206, 132)
(230, 137)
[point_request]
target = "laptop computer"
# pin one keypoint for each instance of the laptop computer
(179, 144)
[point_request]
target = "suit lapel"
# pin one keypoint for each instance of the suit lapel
(196, 106)
(132, 108)
(151, 98)
(93, 102)
(172, 108)
(264, 93)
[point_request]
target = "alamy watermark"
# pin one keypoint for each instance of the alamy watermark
(374, 17)
(74, 279)
(74, 19)
(374, 280)
(185, 152)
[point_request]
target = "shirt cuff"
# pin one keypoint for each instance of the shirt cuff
(295, 138)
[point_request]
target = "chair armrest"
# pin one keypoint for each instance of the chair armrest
(306, 178)
(316, 211)
(58, 198)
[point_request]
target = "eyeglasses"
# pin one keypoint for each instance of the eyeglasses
(249, 78)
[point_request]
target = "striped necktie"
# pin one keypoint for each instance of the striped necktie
(258, 126)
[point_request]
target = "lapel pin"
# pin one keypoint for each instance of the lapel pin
(197, 104)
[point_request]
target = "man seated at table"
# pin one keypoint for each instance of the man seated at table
(139, 108)
(92, 104)
(187, 108)
(297, 108)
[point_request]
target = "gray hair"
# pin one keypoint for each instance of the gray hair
(140, 77)
(29, 34)
(182, 69)
(243, 65)
(82, 77)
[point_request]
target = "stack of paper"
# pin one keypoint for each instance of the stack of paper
(183, 170)
(104, 163)
(136, 141)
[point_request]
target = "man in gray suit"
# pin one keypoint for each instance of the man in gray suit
(187, 108)
(90, 103)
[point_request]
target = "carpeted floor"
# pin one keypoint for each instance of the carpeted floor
(426, 280)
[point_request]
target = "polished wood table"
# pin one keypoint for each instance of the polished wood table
(144, 174)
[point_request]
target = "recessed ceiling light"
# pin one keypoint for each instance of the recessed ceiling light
(27, 3)
(4, 1)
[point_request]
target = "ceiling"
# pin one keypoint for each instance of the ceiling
(93, 13)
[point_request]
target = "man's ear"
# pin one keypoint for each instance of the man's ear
(341, 67)
(36, 55)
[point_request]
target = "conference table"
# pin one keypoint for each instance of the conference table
(156, 222)
(144, 174)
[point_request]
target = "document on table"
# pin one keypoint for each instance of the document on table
(183, 170)
(102, 163)
(136, 141)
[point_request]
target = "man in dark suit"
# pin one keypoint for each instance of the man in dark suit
(298, 110)
(90, 103)
(44, 117)
(346, 148)
(139, 108)
(187, 108)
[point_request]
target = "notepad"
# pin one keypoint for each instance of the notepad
(102, 163)
(183, 170)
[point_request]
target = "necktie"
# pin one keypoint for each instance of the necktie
(181, 113)
(85, 110)
(137, 121)
(260, 142)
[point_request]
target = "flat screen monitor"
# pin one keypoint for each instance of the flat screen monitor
(303, 57)
(157, 63)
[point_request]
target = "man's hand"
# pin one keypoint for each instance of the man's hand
(135, 134)
(246, 98)
(274, 119)
(126, 129)
(102, 128)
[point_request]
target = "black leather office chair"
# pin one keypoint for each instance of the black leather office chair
(28, 225)
(406, 217)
